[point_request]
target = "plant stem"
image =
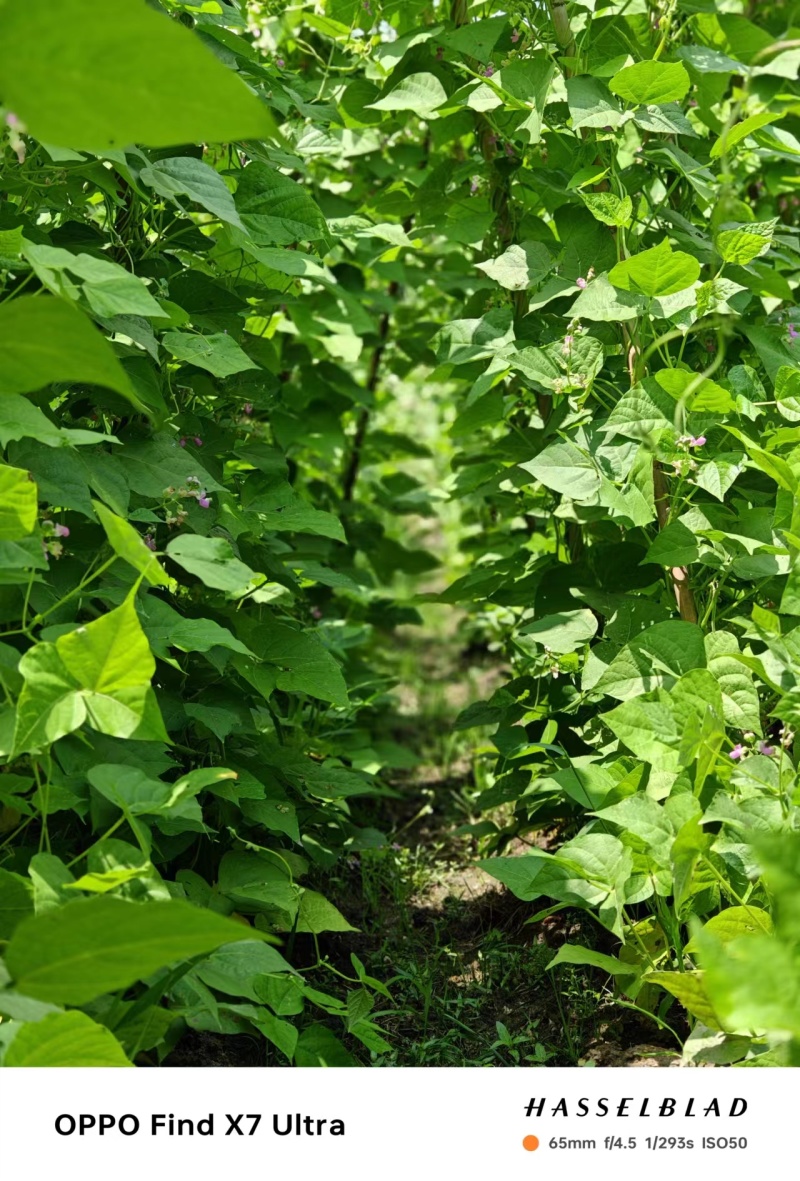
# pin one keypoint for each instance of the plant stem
(681, 585)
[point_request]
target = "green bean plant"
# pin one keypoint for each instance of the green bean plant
(630, 462)
(233, 235)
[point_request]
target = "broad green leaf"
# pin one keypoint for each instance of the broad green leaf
(217, 353)
(102, 883)
(537, 365)
(535, 874)
(97, 945)
(609, 208)
(99, 673)
(44, 340)
(306, 665)
(316, 914)
(602, 302)
(642, 410)
(709, 61)
(282, 511)
(65, 1039)
(477, 38)
(159, 463)
(752, 982)
(773, 465)
(16, 901)
(289, 262)
(166, 628)
(109, 289)
(572, 954)
(689, 989)
(274, 815)
(133, 791)
(242, 969)
(654, 659)
(587, 870)
(20, 419)
(720, 473)
(519, 267)
(740, 131)
(782, 65)
(565, 469)
(643, 818)
(772, 352)
(18, 503)
(649, 729)
(129, 545)
(651, 82)
(735, 922)
(50, 878)
(318, 1046)
(565, 632)
(664, 120)
(742, 244)
(591, 104)
(421, 93)
(461, 341)
(790, 599)
(180, 176)
(23, 1008)
(282, 1034)
(656, 272)
(675, 545)
(694, 699)
(690, 844)
(740, 702)
(257, 885)
(10, 248)
(787, 392)
(706, 394)
(275, 209)
(80, 76)
(283, 994)
(212, 560)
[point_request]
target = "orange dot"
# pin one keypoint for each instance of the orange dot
(530, 1143)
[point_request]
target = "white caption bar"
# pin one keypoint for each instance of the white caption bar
(414, 1124)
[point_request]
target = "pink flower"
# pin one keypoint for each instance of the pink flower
(793, 333)
(204, 501)
(580, 283)
(738, 752)
(12, 120)
(61, 531)
(487, 73)
(198, 442)
(248, 408)
(149, 542)
(568, 340)
(473, 188)
(182, 441)
(515, 36)
(700, 441)
(192, 480)
(280, 63)
(764, 748)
